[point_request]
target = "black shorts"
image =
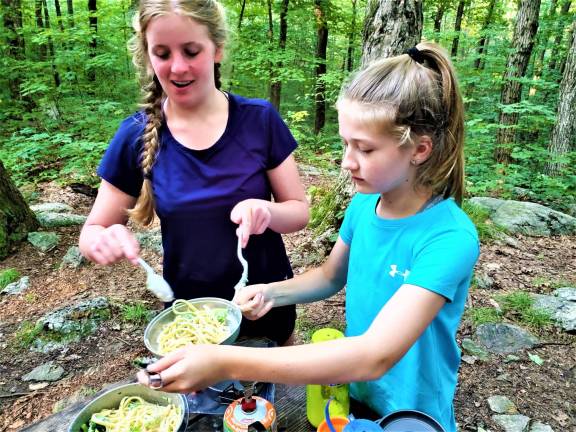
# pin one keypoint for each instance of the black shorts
(277, 325)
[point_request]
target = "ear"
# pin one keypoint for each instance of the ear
(219, 55)
(422, 150)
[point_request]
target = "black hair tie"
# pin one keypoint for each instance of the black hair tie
(415, 54)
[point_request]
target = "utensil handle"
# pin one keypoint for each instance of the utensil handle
(145, 265)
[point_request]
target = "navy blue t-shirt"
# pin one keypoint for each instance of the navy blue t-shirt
(195, 191)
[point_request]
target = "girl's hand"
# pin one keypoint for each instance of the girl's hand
(253, 216)
(186, 370)
(253, 301)
(114, 244)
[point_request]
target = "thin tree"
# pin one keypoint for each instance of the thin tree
(564, 133)
(390, 28)
(70, 13)
(351, 37)
(51, 52)
(522, 44)
(559, 31)
(442, 6)
(16, 218)
(42, 49)
(320, 8)
(12, 19)
(457, 27)
(59, 15)
(238, 28)
(93, 23)
(482, 43)
(276, 86)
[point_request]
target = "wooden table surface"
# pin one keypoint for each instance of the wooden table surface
(290, 405)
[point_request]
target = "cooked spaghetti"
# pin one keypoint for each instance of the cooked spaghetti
(135, 414)
(193, 326)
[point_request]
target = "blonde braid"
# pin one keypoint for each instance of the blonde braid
(143, 212)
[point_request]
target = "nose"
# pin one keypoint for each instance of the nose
(179, 64)
(348, 161)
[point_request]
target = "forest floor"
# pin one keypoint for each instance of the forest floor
(545, 393)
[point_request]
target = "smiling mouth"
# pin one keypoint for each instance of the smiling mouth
(182, 84)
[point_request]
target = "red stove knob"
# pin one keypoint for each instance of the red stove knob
(248, 404)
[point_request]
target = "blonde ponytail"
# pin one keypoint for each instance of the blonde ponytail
(409, 97)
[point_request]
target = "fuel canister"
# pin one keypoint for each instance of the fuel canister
(250, 413)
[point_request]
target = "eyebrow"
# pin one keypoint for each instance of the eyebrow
(190, 44)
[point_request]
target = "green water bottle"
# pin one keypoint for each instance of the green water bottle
(318, 395)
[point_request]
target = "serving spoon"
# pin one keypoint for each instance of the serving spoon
(156, 283)
(244, 278)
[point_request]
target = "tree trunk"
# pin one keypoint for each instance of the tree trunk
(239, 26)
(70, 11)
(16, 218)
(13, 24)
(51, 53)
(276, 86)
(482, 43)
(320, 58)
(42, 50)
(438, 20)
(390, 28)
(563, 61)
(522, 44)
(59, 15)
(351, 37)
(458, 28)
(564, 134)
(93, 22)
(559, 33)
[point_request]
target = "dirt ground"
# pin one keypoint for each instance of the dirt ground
(545, 393)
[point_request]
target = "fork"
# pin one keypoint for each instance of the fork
(244, 278)
(156, 283)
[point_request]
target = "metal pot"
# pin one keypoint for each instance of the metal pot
(111, 399)
(155, 326)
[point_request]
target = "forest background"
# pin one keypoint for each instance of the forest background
(68, 81)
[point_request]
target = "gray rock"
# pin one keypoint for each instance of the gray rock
(54, 207)
(73, 258)
(562, 311)
(75, 318)
(504, 338)
(17, 287)
(45, 241)
(469, 359)
(52, 220)
(540, 427)
(502, 405)
(566, 293)
(151, 240)
(526, 217)
(483, 281)
(47, 372)
(512, 423)
(470, 347)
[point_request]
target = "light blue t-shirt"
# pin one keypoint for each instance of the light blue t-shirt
(436, 250)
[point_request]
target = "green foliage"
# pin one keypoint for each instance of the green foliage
(137, 313)
(518, 306)
(487, 231)
(26, 334)
(484, 315)
(8, 276)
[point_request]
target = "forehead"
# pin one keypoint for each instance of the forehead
(356, 122)
(175, 29)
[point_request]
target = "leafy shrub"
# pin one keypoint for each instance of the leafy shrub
(8, 276)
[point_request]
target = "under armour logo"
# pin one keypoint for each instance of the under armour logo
(394, 271)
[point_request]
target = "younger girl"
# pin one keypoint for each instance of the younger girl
(405, 254)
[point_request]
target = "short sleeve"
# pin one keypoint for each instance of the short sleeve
(445, 262)
(282, 143)
(120, 165)
(351, 215)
